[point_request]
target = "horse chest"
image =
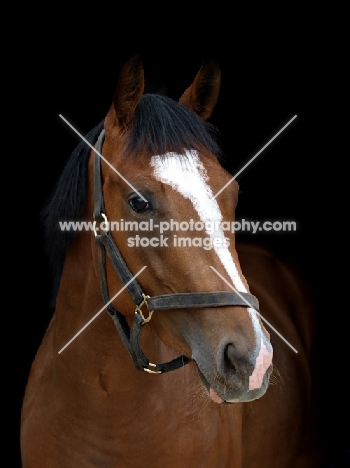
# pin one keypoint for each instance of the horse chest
(105, 430)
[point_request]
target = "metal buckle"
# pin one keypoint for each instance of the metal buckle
(150, 371)
(139, 311)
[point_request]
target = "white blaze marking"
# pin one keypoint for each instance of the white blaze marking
(263, 362)
(186, 174)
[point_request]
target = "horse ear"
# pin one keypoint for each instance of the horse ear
(129, 90)
(201, 97)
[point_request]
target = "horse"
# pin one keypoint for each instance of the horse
(159, 353)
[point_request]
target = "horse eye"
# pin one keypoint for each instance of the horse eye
(139, 205)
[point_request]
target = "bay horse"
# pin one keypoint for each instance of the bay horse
(158, 353)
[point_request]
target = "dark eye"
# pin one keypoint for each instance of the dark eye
(139, 205)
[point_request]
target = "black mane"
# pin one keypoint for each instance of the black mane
(66, 203)
(159, 124)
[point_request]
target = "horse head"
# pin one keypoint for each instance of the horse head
(159, 179)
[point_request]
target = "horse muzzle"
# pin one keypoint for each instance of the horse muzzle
(234, 377)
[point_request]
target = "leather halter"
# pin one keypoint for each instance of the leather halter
(131, 335)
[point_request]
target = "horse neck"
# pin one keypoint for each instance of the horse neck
(98, 349)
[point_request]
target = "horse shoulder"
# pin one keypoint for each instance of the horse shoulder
(292, 406)
(38, 402)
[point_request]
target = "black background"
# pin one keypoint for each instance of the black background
(268, 76)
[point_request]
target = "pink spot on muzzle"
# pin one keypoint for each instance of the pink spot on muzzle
(214, 396)
(263, 362)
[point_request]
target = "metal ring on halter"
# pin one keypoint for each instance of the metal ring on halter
(105, 221)
(139, 311)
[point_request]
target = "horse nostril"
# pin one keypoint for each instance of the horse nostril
(230, 359)
(236, 360)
